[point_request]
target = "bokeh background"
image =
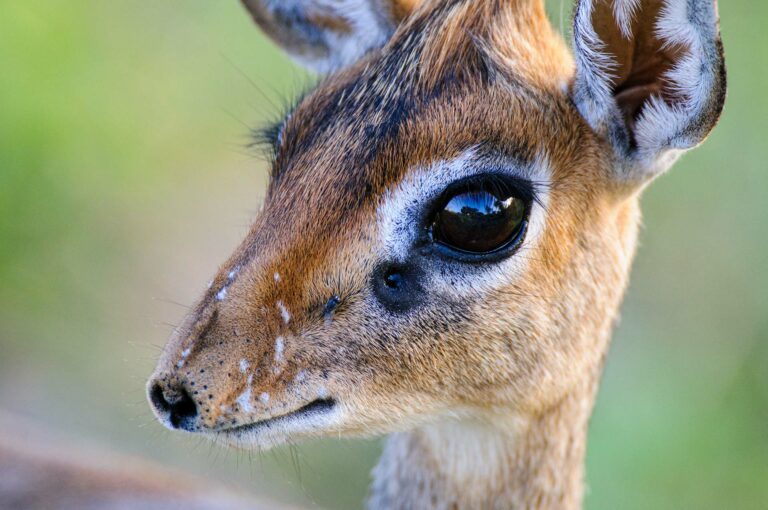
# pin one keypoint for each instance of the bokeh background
(125, 179)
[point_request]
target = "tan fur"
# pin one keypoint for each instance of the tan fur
(488, 391)
(515, 32)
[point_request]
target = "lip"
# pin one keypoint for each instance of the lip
(313, 409)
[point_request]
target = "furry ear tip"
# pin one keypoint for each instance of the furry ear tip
(325, 36)
(668, 89)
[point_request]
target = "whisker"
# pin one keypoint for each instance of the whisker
(250, 80)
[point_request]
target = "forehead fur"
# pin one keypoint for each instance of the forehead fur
(444, 52)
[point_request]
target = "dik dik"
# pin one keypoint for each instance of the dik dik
(446, 238)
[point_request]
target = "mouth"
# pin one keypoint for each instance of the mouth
(309, 415)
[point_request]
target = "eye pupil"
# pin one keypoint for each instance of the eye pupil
(478, 221)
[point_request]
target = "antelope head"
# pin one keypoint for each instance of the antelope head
(448, 229)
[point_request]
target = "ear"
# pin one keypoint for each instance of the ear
(650, 77)
(327, 35)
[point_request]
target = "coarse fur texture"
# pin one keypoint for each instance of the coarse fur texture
(484, 369)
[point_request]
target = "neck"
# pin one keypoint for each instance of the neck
(508, 462)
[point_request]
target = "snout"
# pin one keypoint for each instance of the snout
(248, 421)
(242, 371)
(172, 403)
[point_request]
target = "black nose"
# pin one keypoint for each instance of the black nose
(173, 402)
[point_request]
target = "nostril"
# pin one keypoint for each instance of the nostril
(175, 403)
(158, 399)
(182, 409)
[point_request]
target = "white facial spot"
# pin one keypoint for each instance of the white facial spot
(244, 400)
(279, 347)
(221, 294)
(186, 352)
(231, 275)
(264, 397)
(322, 392)
(180, 363)
(284, 312)
(277, 276)
(300, 376)
(244, 365)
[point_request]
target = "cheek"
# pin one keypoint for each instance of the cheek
(430, 342)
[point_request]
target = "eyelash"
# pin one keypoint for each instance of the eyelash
(267, 138)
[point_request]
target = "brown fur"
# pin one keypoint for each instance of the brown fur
(514, 369)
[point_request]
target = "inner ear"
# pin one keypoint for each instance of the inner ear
(642, 59)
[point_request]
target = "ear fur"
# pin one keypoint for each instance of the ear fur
(650, 77)
(327, 35)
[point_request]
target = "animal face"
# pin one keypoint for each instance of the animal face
(451, 216)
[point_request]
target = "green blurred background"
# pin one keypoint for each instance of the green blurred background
(125, 179)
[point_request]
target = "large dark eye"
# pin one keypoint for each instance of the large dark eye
(479, 221)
